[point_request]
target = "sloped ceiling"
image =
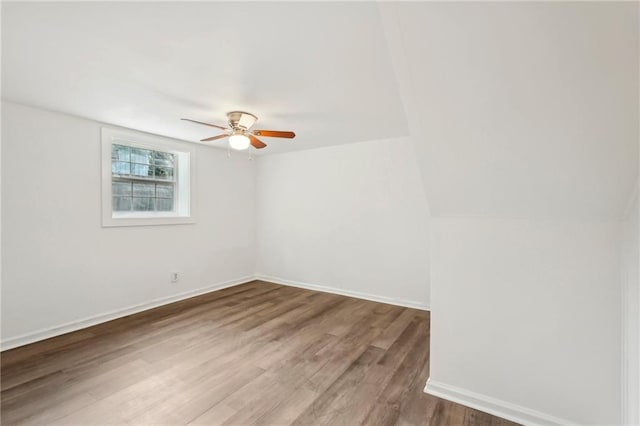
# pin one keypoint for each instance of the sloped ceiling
(521, 109)
(515, 109)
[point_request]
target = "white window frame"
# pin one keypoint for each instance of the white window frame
(185, 172)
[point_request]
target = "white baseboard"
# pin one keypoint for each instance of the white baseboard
(35, 336)
(506, 410)
(342, 292)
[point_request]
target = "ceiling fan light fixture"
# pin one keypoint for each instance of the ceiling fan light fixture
(239, 141)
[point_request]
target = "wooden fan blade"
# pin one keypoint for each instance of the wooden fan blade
(257, 143)
(274, 134)
(206, 124)
(213, 138)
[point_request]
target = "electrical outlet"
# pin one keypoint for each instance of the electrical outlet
(174, 277)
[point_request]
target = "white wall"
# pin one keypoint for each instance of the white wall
(352, 218)
(526, 314)
(60, 265)
(631, 315)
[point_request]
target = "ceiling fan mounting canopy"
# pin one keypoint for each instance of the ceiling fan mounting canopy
(240, 137)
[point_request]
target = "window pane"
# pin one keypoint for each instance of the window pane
(164, 173)
(121, 188)
(164, 204)
(143, 190)
(141, 170)
(142, 204)
(163, 158)
(142, 156)
(120, 168)
(120, 153)
(121, 204)
(164, 191)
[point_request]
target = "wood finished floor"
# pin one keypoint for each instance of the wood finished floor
(257, 353)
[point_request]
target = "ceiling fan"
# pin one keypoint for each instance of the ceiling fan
(240, 137)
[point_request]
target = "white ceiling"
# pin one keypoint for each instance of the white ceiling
(319, 69)
(525, 109)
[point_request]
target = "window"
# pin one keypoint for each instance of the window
(142, 179)
(146, 180)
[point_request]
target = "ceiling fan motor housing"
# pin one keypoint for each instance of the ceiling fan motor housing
(241, 120)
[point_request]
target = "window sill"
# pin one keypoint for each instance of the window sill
(131, 220)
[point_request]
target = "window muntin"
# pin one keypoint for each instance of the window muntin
(142, 179)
